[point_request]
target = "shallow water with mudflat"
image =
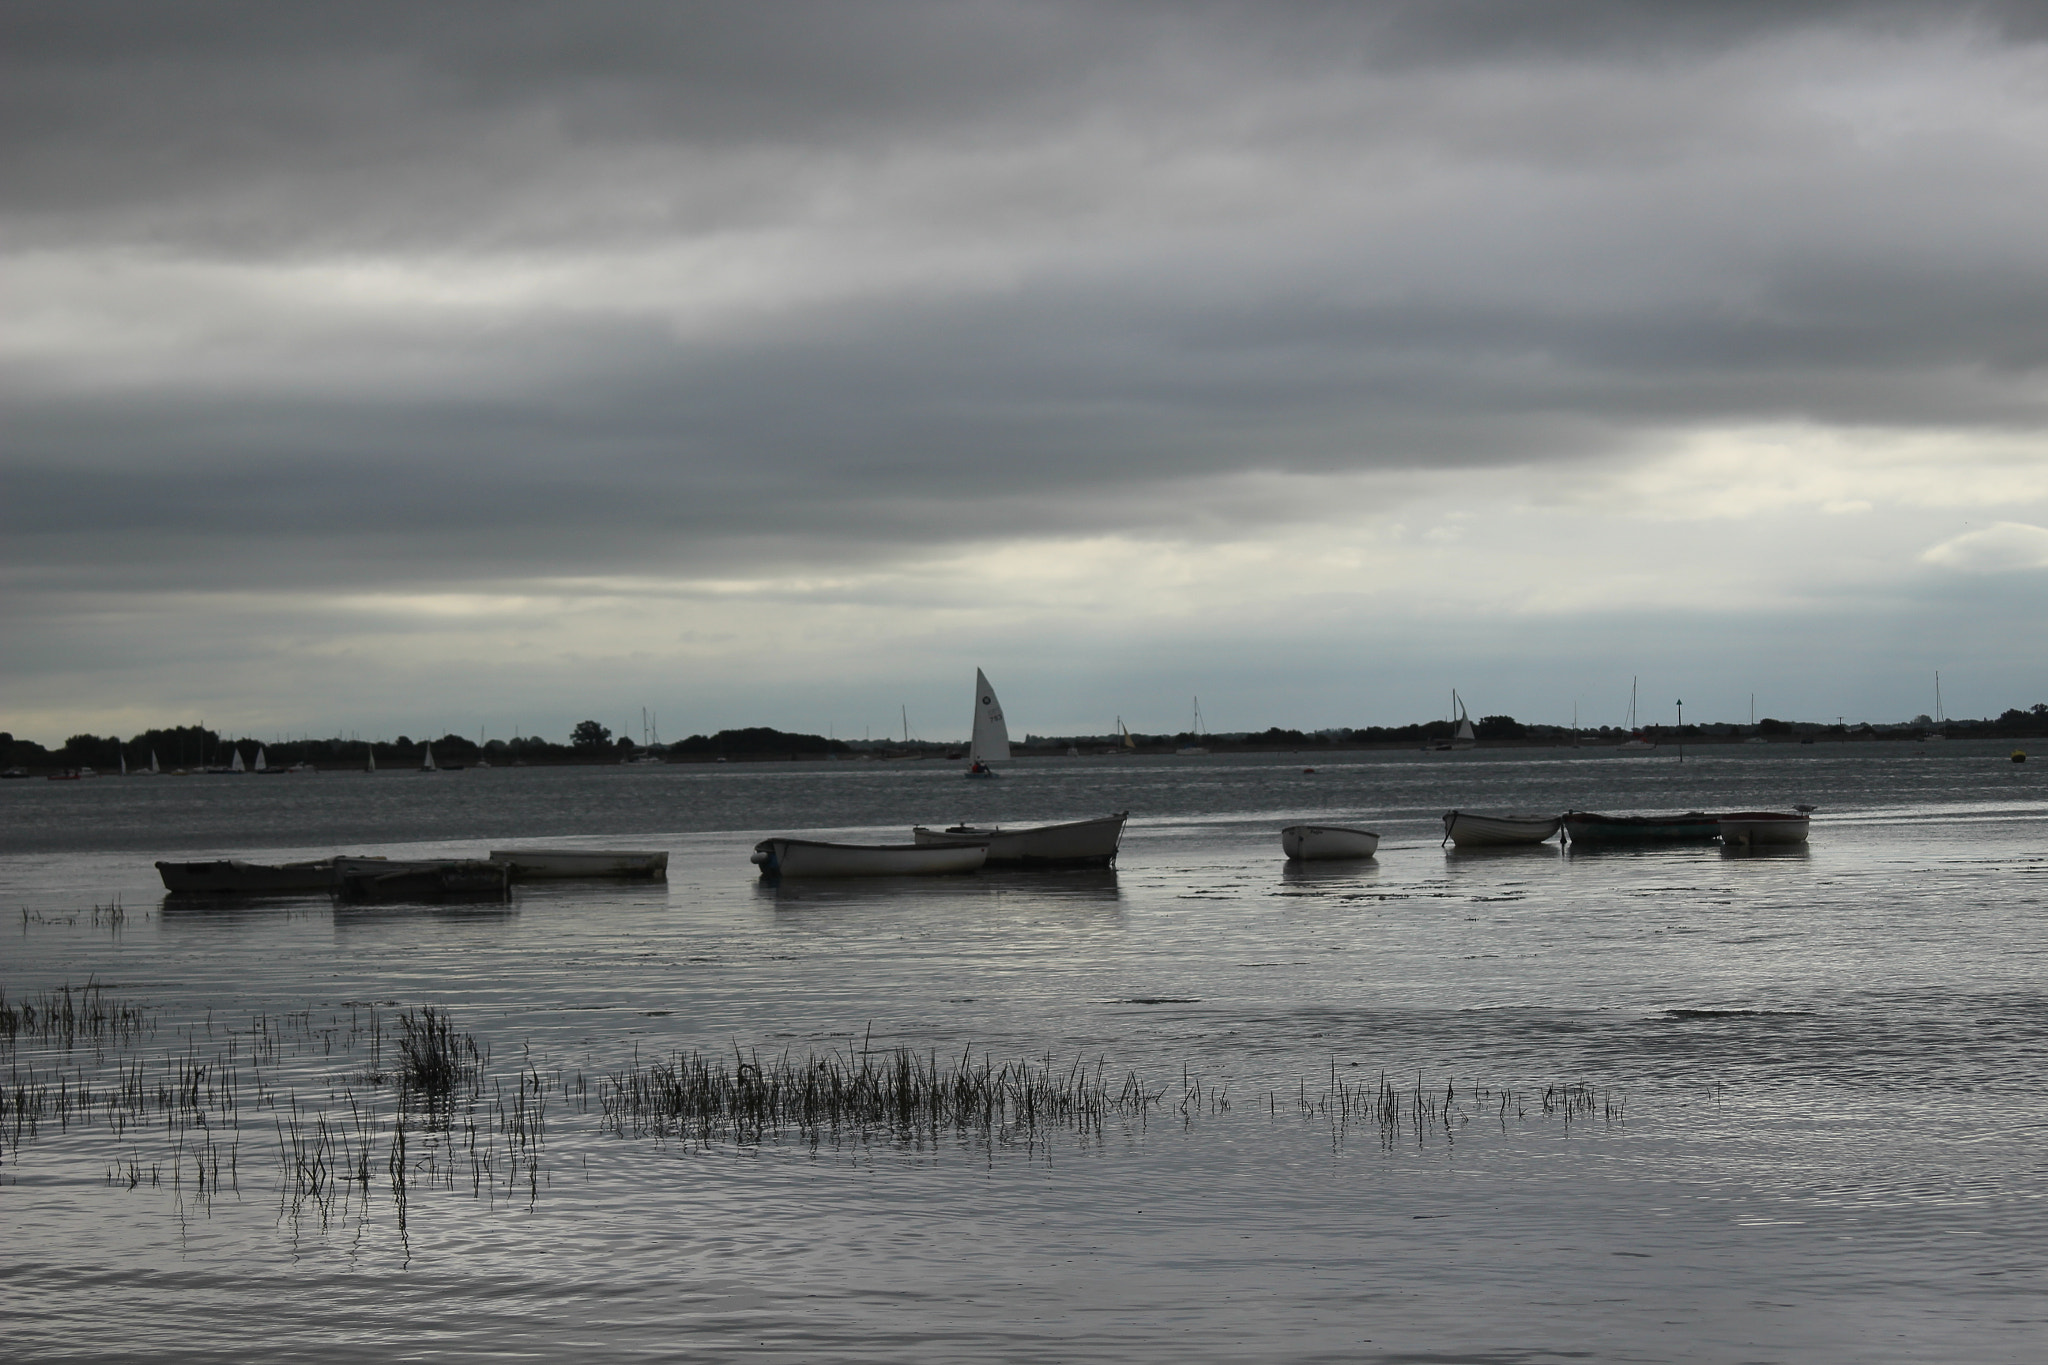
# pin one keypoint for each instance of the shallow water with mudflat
(1816, 1082)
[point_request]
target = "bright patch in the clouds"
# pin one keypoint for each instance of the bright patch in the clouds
(2001, 548)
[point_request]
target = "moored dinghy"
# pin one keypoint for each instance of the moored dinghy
(1077, 843)
(233, 877)
(560, 864)
(422, 879)
(1316, 842)
(1693, 827)
(1468, 830)
(817, 858)
(1754, 828)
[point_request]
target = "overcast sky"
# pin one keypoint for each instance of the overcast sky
(484, 367)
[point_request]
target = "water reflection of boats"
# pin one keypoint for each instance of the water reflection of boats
(1467, 829)
(1075, 843)
(1693, 827)
(1312, 842)
(817, 858)
(1048, 888)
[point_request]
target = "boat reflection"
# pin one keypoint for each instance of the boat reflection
(1295, 872)
(1092, 886)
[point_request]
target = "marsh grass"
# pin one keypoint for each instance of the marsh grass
(863, 1093)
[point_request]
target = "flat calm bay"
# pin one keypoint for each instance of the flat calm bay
(1811, 1088)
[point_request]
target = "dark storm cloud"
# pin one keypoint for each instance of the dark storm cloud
(1218, 251)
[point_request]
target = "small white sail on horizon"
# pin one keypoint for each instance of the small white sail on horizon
(262, 764)
(427, 763)
(152, 761)
(991, 741)
(124, 763)
(373, 760)
(236, 766)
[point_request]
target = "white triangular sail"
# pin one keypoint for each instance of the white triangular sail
(124, 763)
(428, 765)
(236, 766)
(262, 764)
(152, 761)
(991, 736)
(373, 760)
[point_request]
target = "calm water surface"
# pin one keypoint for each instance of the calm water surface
(1832, 1067)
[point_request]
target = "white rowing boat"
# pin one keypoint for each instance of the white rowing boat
(1750, 828)
(1467, 830)
(1077, 843)
(815, 858)
(554, 864)
(1315, 842)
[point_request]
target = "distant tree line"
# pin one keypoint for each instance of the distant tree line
(193, 747)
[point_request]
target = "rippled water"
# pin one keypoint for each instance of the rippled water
(1831, 1067)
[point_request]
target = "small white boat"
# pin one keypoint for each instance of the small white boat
(1314, 842)
(1467, 830)
(1751, 828)
(553, 864)
(816, 858)
(991, 741)
(1077, 843)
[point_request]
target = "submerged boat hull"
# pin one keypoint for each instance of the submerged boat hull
(1317, 842)
(561, 864)
(1693, 827)
(1077, 843)
(1754, 828)
(814, 858)
(1468, 830)
(233, 877)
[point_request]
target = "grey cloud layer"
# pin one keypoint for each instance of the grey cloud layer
(1004, 269)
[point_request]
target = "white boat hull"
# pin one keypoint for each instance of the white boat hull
(813, 858)
(1077, 843)
(1314, 842)
(1752, 829)
(552, 864)
(1467, 830)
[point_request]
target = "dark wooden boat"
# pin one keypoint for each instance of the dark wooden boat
(233, 877)
(1693, 827)
(431, 879)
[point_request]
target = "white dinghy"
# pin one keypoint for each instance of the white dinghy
(991, 740)
(816, 858)
(1467, 830)
(1317, 842)
(1077, 843)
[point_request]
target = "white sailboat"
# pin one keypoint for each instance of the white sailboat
(1195, 748)
(152, 762)
(373, 760)
(236, 766)
(262, 764)
(991, 742)
(124, 763)
(1463, 737)
(427, 763)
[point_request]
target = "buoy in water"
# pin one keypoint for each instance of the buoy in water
(2019, 755)
(1308, 770)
